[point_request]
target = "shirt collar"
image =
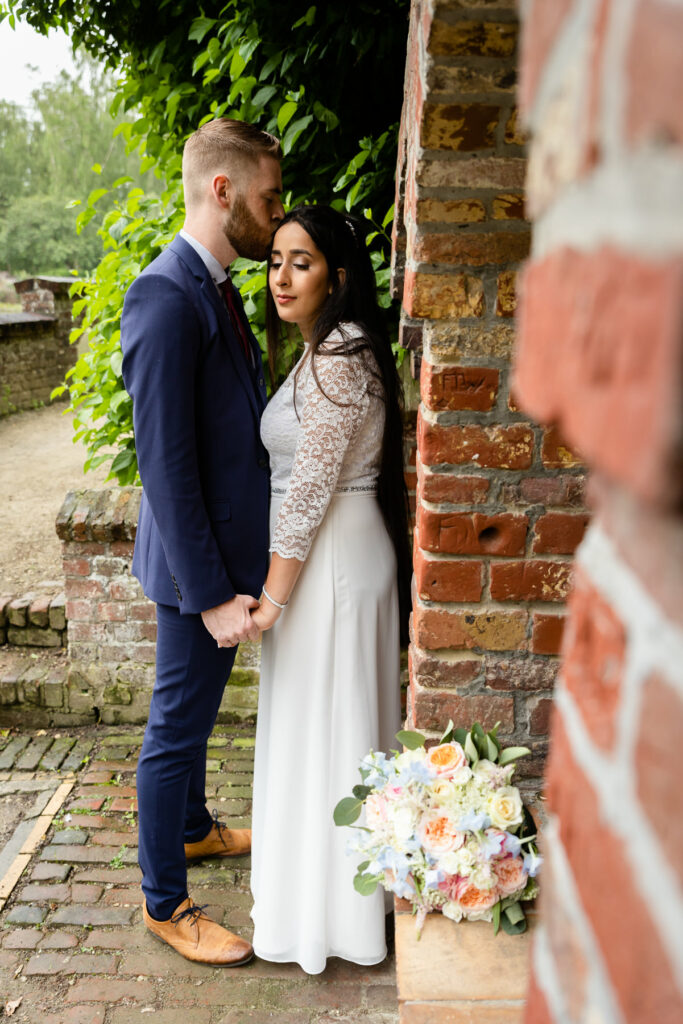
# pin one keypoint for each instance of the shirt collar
(218, 273)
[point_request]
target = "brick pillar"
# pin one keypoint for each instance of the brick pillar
(499, 499)
(601, 357)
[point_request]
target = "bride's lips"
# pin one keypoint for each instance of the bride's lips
(284, 299)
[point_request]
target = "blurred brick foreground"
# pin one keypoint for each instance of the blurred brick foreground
(73, 948)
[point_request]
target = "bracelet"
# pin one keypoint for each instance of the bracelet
(272, 599)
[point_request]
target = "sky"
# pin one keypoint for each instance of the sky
(48, 54)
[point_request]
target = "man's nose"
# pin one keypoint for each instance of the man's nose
(279, 213)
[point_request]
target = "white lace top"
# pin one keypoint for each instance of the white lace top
(328, 448)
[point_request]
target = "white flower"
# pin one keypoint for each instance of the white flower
(452, 910)
(492, 774)
(404, 818)
(505, 807)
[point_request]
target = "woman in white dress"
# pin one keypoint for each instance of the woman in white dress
(330, 610)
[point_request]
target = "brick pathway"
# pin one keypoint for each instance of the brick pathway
(73, 947)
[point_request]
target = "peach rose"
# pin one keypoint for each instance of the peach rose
(473, 900)
(438, 834)
(510, 874)
(446, 759)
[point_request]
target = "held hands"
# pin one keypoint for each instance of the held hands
(230, 623)
(265, 616)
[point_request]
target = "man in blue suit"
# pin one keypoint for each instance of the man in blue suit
(193, 369)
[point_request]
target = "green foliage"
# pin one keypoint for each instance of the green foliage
(308, 73)
(38, 236)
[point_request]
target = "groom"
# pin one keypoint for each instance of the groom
(193, 369)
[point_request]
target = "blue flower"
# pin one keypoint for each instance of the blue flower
(432, 878)
(532, 863)
(415, 771)
(474, 821)
(513, 844)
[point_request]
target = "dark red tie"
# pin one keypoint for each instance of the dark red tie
(228, 292)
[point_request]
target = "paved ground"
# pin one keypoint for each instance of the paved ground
(73, 950)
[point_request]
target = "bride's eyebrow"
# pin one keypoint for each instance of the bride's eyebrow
(301, 252)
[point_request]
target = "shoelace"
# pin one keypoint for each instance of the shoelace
(192, 913)
(220, 826)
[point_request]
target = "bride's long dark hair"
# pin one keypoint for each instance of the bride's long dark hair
(341, 240)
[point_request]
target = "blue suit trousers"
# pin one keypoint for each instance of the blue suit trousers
(191, 675)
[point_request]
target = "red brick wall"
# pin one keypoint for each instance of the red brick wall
(600, 356)
(499, 499)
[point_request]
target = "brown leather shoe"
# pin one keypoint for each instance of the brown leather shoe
(220, 842)
(196, 937)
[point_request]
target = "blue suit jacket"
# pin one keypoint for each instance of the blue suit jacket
(203, 528)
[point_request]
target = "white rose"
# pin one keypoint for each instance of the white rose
(452, 910)
(404, 819)
(505, 807)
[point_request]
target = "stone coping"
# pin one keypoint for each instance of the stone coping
(99, 515)
(56, 285)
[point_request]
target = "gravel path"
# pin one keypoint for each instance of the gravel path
(39, 463)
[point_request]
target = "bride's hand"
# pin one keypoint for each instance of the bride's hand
(265, 616)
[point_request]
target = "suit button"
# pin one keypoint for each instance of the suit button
(263, 463)
(261, 382)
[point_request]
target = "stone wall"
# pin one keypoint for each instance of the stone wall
(499, 499)
(34, 344)
(601, 356)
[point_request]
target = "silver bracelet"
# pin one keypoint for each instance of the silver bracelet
(272, 599)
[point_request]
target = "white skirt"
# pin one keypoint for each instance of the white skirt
(329, 693)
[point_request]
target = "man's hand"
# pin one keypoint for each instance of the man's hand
(230, 623)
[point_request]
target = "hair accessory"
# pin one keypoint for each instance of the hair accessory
(272, 600)
(353, 229)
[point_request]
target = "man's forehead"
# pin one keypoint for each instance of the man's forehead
(269, 174)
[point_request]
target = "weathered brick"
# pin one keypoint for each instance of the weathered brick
(495, 447)
(607, 890)
(514, 134)
(471, 534)
(77, 1015)
(521, 673)
(659, 762)
(454, 341)
(556, 453)
(567, 490)
(22, 938)
(443, 295)
(475, 172)
(44, 893)
(475, 249)
(546, 633)
(594, 653)
(558, 533)
(17, 611)
(506, 296)
(448, 672)
(459, 126)
(456, 490)
(539, 719)
(92, 916)
(482, 630)
(38, 612)
(458, 387)
(432, 709)
(450, 211)
(508, 206)
(472, 38)
(537, 580)
(111, 990)
(448, 580)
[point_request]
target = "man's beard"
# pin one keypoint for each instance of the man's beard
(244, 233)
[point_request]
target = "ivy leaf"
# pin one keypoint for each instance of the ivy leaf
(347, 811)
(294, 131)
(411, 740)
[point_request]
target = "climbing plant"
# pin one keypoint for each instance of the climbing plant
(326, 78)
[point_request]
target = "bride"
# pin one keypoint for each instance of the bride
(340, 556)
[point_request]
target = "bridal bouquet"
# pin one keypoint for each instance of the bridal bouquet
(444, 828)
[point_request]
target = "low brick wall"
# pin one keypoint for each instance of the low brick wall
(34, 620)
(34, 345)
(111, 624)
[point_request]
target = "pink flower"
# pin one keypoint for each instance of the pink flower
(510, 874)
(446, 759)
(375, 811)
(449, 886)
(438, 834)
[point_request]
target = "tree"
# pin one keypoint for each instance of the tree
(326, 78)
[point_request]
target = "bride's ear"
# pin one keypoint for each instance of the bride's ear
(341, 274)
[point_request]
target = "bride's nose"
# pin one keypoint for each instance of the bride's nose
(281, 274)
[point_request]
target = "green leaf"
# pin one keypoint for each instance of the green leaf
(496, 917)
(365, 884)
(361, 792)
(97, 168)
(509, 754)
(96, 194)
(513, 920)
(285, 114)
(471, 750)
(411, 740)
(491, 749)
(514, 913)
(460, 735)
(199, 28)
(448, 732)
(308, 18)
(294, 131)
(347, 811)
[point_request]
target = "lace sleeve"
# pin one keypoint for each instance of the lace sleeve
(327, 430)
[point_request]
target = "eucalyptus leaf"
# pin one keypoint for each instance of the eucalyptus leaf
(347, 811)
(365, 884)
(411, 740)
(471, 750)
(496, 917)
(448, 731)
(361, 792)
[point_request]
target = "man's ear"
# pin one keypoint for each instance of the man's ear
(222, 189)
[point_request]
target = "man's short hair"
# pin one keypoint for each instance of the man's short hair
(223, 145)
